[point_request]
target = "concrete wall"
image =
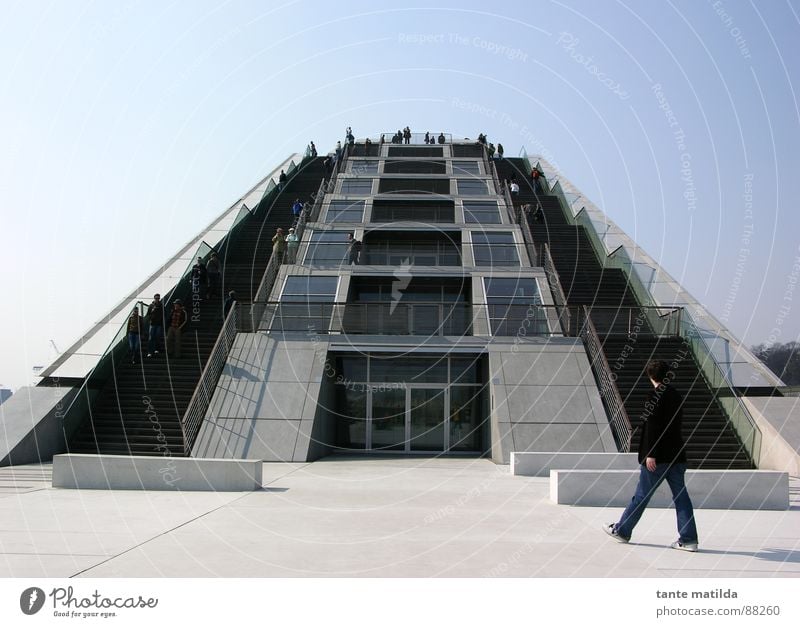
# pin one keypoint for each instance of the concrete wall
(30, 425)
(779, 421)
(265, 403)
(544, 398)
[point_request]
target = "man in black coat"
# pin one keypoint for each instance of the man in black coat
(661, 457)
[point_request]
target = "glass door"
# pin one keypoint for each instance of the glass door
(426, 416)
(388, 424)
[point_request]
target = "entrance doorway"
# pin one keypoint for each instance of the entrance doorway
(408, 418)
(408, 404)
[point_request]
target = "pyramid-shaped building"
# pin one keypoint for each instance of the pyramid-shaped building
(432, 299)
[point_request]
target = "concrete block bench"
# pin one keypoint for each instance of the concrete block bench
(709, 489)
(125, 472)
(540, 464)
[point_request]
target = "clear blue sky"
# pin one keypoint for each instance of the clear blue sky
(128, 126)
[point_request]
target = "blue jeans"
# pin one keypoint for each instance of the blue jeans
(156, 338)
(648, 482)
(133, 345)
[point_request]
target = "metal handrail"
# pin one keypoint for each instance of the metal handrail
(619, 420)
(555, 287)
(704, 357)
(201, 399)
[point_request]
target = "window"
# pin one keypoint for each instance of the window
(362, 166)
(327, 248)
(481, 213)
(345, 211)
(357, 187)
(306, 304)
(385, 210)
(472, 187)
(494, 249)
(513, 305)
(460, 168)
(309, 288)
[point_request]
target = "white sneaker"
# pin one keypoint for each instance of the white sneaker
(611, 531)
(691, 547)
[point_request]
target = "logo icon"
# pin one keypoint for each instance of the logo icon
(402, 277)
(31, 601)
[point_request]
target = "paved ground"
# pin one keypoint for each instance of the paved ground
(369, 517)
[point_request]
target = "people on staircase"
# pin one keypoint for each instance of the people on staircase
(199, 279)
(292, 243)
(441, 138)
(134, 335)
(297, 209)
(499, 151)
(214, 273)
(177, 320)
(281, 181)
(313, 149)
(279, 244)
(226, 307)
(536, 177)
(155, 318)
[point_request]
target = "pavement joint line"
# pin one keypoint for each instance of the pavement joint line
(183, 524)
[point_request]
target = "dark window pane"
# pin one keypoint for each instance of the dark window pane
(481, 212)
(466, 167)
(471, 187)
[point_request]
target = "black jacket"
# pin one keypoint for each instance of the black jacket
(660, 434)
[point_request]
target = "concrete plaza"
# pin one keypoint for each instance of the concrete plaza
(372, 517)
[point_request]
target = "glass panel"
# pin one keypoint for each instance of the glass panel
(388, 419)
(328, 248)
(351, 417)
(310, 287)
(408, 369)
(465, 369)
(468, 187)
(465, 418)
(352, 367)
(466, 167)
(481, 213)
(362, 166)
(362, 187)
(427, 419)
(494, 249)
(345, 211)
